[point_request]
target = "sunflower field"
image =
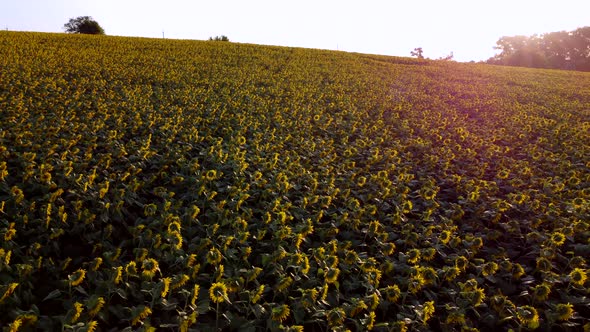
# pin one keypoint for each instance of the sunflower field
(173, 185)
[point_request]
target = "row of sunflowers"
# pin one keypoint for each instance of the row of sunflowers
(187, 185)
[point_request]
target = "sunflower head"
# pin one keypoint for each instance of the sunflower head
(218, 292)
(543, 264)
(541, 292)
(578, 277)
(77, 277)
(336, 317)
(527, 315)
(392, 293)
(557, 238)
(564, 311)
(280, 313)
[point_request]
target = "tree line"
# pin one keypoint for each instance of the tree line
(557, 50)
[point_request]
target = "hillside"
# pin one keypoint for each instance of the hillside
(194, 185)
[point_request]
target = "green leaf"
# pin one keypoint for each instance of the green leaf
(54, 294)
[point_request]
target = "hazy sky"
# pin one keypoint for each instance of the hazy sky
(469, 28)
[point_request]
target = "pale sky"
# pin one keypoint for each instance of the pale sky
(468, 28)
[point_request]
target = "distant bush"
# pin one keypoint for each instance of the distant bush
(219, 38)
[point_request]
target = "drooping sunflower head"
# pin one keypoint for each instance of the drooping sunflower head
(77, 277)
(564, 311)
(413, 256)
(280, 313)
(541, 292)
(331, 275)
(214, 256)
(489, 268)
(445, 236)
(543, 264)
(336, 317)
(527, 315)
(461, 263)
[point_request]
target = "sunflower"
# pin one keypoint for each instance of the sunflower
(78, 308)
(10, 233)
(331, 275)
(284, 283)
(543, 264)
(557, 238)
(280, 313)
(500, 303)
(416, 283)
(195, 295)
(489, 268)
(445, 236)
(361, 181)
(518, 271)
(578, 203)
(578, 276)
(96, 263)
(77, 277)
(214, 256)
(211, 175)
(392, 293)
(451, 272)
(356, 306)
(373, 301)
(180, 281)
(258, 294)
(336, 317)
(97, 305)
(176, 240)
(165, 286)
(253, 274)
(140, 313)
(428, 194)
(427, 311)
(455, 317)
(461, 263)
(428, 254)
(131, 268)
(503, 174)
(218, 292)
(16, 324)
(577, 261)
(370, 322)
(308, 297)
(150, 267)
(527, 315)
(399, 326)
(413, 256)
(564, 311)
(541, 292)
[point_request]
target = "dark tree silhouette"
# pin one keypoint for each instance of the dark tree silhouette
(417, 52)
(85, 25)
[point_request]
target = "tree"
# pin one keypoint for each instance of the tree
(417, 52)
(85, 25)
(558, 50)
(219, 38)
